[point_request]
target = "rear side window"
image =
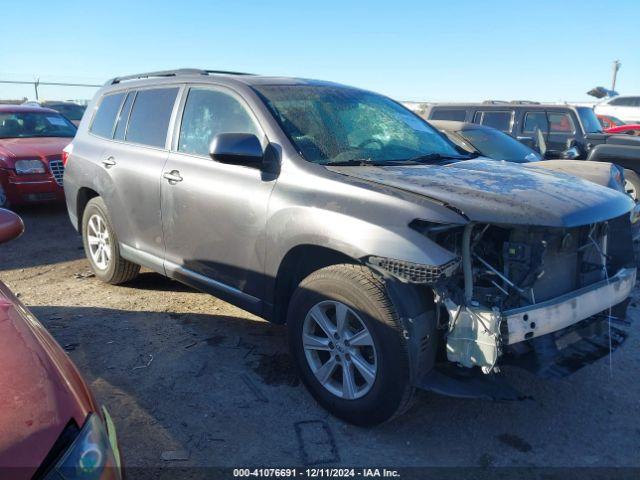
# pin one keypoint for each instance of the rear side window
(150, 115)
(208, 113)
(498, 120)
(123, 116)
(106, 115)
(448, 114)
(626, 102)
(534, 121)
(560, 123)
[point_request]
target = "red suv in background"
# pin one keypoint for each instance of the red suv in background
(31, 144)
(51, 427)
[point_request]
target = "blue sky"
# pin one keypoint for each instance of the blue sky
(410, 50)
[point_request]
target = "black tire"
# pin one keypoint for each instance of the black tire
(118, 270)
(363, 292)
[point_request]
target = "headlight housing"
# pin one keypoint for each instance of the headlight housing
(90, 456)
(26, 167)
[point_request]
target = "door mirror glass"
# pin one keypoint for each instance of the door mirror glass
(11, 225)
(571, 153)
(237, 149)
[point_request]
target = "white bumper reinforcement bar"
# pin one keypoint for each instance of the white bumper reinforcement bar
(557, 313)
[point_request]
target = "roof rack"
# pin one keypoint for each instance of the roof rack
(495, 102)
(172, 73)
(524, 102)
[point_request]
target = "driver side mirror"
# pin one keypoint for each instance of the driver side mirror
(237, 149)
(11, 226)
(572, 151)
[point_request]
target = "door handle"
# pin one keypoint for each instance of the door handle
(109, 162)
(173, 177)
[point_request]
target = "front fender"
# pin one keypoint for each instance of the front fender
(354, 237)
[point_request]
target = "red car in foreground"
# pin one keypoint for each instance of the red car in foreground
(50, 425)
(31, 143)
(615, 125)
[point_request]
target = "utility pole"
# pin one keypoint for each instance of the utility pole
(37, 82)
(616, 67)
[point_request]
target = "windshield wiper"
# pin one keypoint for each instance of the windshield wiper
(438, 157)
(358, 162)
(426, 158)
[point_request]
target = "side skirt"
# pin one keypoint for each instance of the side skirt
(193, 279)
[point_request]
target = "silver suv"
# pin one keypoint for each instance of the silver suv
(397, 261)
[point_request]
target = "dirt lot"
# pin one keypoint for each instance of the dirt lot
(184, 372)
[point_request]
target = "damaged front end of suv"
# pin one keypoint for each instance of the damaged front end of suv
(549, 298)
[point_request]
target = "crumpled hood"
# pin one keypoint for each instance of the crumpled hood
(496, 192)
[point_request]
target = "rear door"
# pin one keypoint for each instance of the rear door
(134, 160)
(214, 214)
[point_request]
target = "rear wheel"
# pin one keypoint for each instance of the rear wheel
(101, 245)
(347, 343)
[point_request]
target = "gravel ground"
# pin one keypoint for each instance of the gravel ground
(193, 381)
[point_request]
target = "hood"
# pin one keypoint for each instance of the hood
(596, 172)
(612, 139)
(40, 389)
(11, 148)
(499, 192)
(623, 128)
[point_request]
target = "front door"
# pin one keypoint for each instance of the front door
(214, 214)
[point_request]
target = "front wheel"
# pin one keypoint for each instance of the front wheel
(346, 339)
(101, 245)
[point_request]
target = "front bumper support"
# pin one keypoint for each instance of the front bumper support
(557, 313)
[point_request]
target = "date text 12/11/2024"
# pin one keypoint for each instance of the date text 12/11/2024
(315, 473)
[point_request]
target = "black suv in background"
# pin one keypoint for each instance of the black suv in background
(562, 126)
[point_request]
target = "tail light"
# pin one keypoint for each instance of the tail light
(66, 151)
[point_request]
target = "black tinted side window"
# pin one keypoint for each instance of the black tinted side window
(498, 120)
(535, 121)
(121, 122)
(448, 114)
(106, 115)
(150, 115)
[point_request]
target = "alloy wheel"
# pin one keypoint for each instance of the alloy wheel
(339, 350)
(99, 241)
